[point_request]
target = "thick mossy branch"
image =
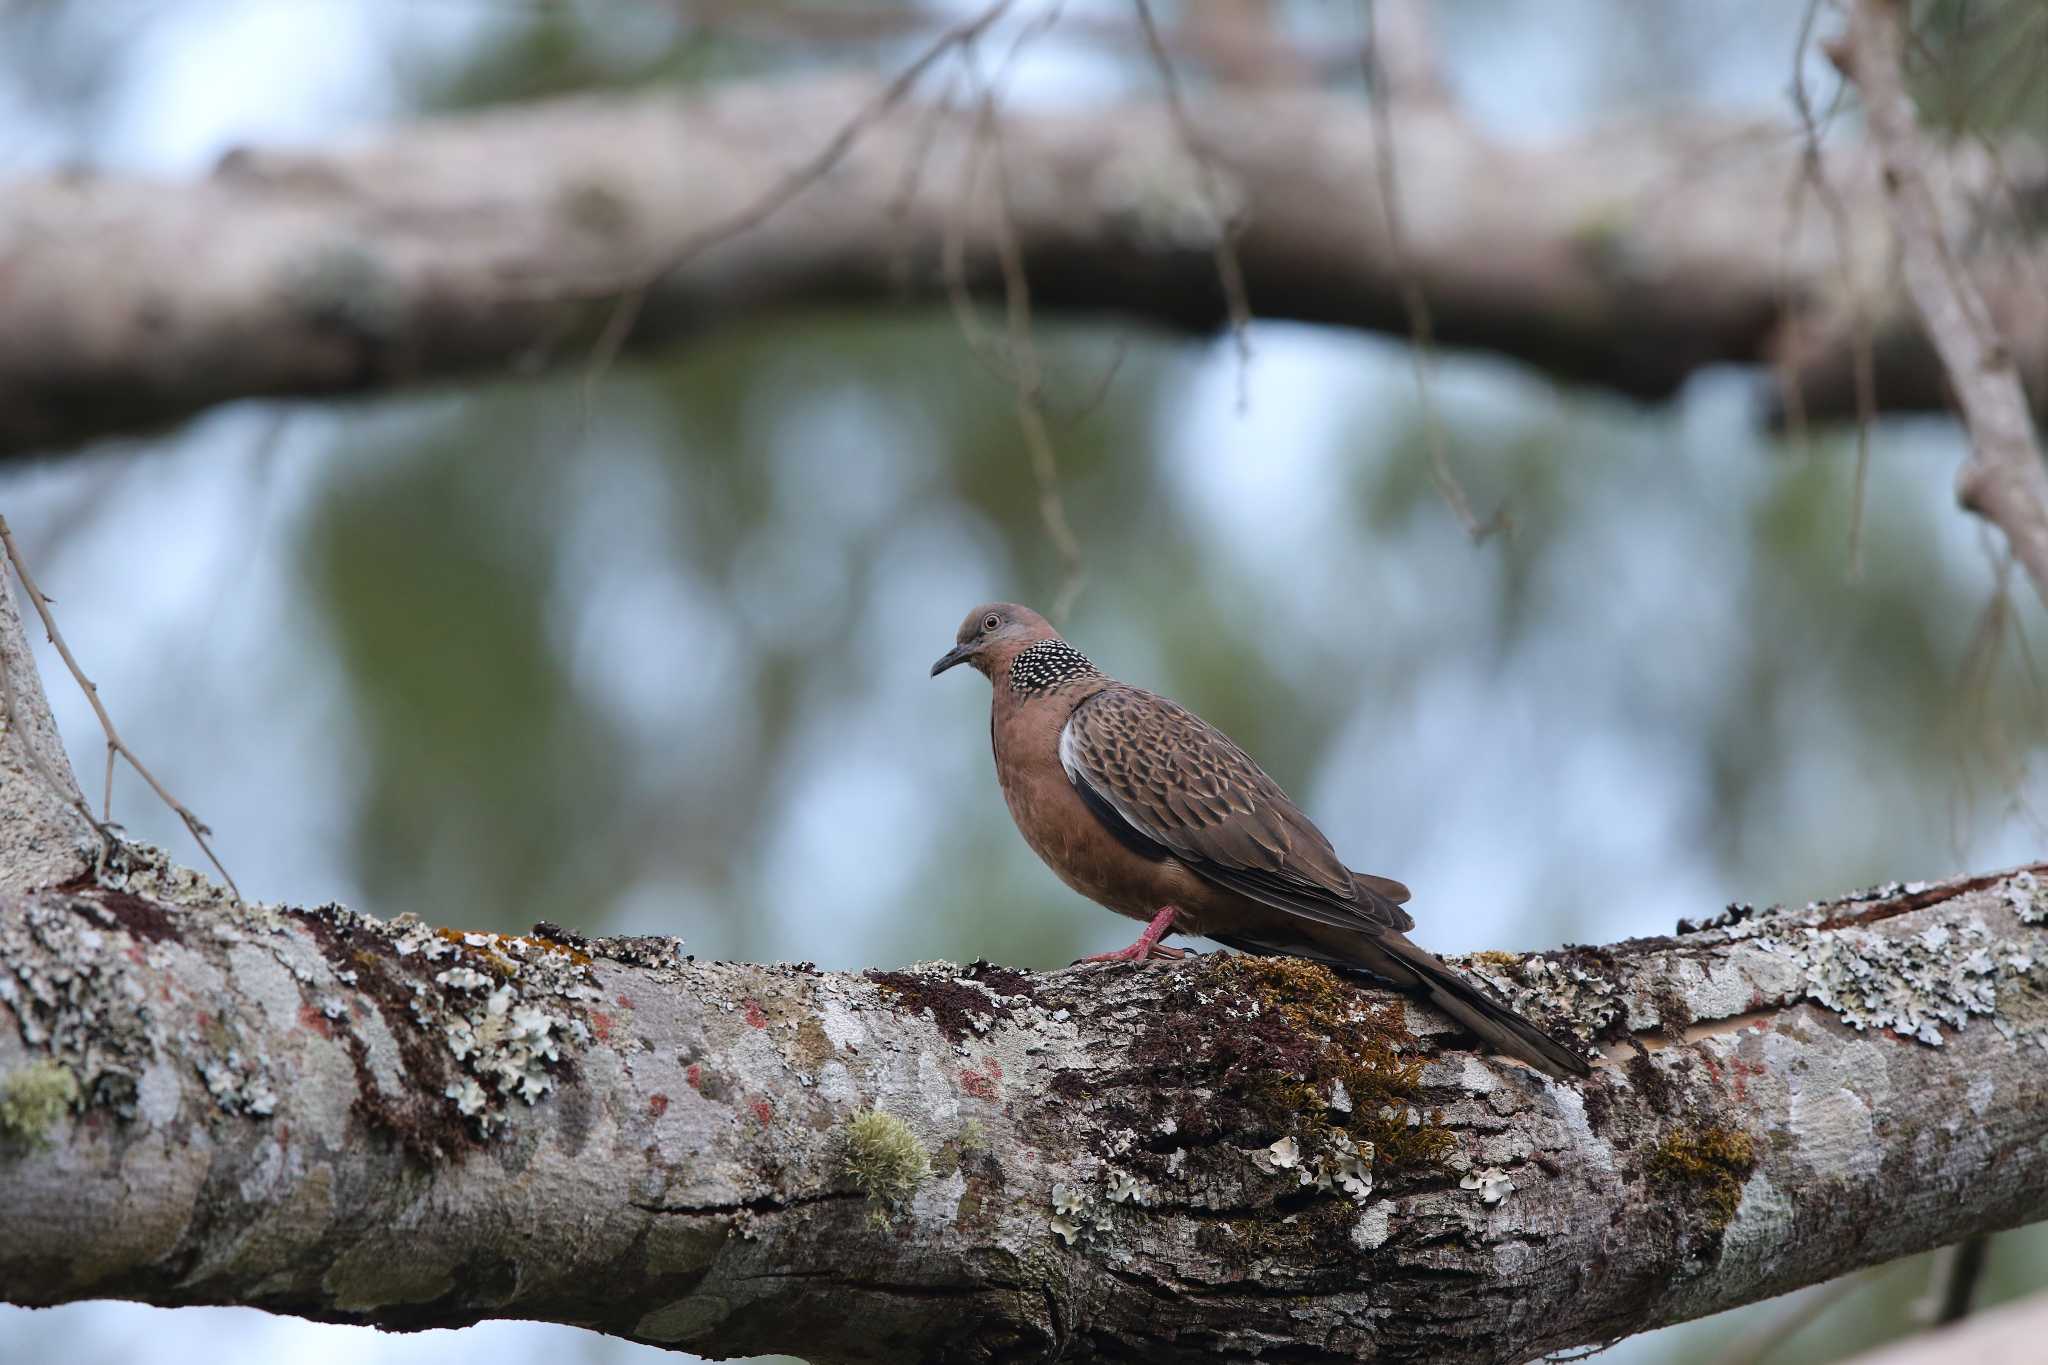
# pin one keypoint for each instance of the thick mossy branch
(1224, 1158)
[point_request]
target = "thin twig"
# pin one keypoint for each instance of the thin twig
(1421, 327)
(1862, 350)
(2004, 479)
(92, 695)
(1229, 223)
(631, 289)
(1018, 362)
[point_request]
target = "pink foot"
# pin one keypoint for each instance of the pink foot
(1148, 944)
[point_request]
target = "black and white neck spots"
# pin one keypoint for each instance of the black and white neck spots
(1048, 665)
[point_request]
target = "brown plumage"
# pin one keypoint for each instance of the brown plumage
(1138, 804)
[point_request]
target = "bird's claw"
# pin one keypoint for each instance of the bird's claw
(1136, 952)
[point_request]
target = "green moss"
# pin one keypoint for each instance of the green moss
(35, 1097)
(885, 1158)
(1710, 1163)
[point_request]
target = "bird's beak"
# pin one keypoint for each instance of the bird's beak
(956, 655)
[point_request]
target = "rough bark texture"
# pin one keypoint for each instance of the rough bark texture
(43, 837)
(319, 1114)
(1629, 257)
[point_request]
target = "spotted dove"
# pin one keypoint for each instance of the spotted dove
(1139, 805)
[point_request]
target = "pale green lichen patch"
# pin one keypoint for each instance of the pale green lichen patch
(34, 1097)
(1566, 994)
(884, 1158)
(1912, 985)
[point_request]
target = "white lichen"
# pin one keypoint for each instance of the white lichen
(1283, 1155)
(1074, 1214)
(1492, 1183)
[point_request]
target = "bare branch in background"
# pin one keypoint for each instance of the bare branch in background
(197, 827)
(2004, 479)
(426, 255)
(1415, 63)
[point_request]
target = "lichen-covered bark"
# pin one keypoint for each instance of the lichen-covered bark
(1629, 257)
(311, 1111)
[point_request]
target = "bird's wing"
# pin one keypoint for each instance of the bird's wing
(1167, 782)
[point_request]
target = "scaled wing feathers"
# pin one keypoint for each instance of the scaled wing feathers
(1181, 785)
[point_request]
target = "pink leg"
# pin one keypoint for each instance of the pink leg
(1148, 944)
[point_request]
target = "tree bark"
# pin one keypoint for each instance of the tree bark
(316, 1113)
(1630, 257)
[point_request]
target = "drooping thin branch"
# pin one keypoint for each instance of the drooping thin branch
(2004, 479)
(1862, 348)
(631, 292)
(1227, 221)
(1421, 328)
(1016, 362)
(115, 745)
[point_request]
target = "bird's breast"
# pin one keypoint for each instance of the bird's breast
(1057, 823)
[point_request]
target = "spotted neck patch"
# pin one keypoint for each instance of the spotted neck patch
(1048, 666)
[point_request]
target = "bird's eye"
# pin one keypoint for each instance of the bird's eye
(991, 621)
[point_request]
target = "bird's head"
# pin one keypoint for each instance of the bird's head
(992, 635)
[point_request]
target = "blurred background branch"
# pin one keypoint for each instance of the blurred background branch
(1628, 257)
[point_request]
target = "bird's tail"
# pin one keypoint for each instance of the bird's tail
(1479, 1011)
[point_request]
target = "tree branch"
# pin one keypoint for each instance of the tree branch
(2004, 479)
(1629, 257)
(46, 827)
(320, 1114)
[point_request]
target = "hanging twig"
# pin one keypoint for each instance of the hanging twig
(1862, 350)
(1421, 328)
(1228, 223)
(631, 290)
(115, 745)
(1017, 362)
(2004, 479)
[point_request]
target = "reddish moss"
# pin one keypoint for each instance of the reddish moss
(956, 1006)
(1004, 980)
(1291, 1048)
(143, 919)
(423, 1121)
